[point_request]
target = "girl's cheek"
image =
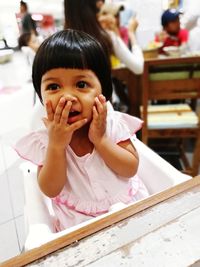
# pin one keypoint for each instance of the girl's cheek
(54, 103)
(46, 98)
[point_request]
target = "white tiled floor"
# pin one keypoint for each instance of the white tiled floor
(6, 212)
(9, 243)
(15, 110)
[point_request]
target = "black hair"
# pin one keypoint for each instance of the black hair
(72, 49)
(169, 15)
(81, 15)
(24, 4)
(24, 39)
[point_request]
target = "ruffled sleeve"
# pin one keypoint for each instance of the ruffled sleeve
(33, 147)
(121, 126)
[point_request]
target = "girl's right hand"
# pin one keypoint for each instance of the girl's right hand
(59, 131)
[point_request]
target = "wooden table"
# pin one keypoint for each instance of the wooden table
(162, 234)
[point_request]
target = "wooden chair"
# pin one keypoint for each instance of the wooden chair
(172, 79)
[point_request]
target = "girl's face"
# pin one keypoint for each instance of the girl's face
(78, 86)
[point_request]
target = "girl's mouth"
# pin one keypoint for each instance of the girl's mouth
(73, 113)
(73, 116)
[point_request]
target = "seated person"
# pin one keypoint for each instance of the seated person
(86, 160)
(29, 43)
(109, 17)
(172, 34)
(29, 39)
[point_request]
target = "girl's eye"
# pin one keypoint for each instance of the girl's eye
(53, 87)
(81, 84)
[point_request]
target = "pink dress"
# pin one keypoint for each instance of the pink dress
(92, 187)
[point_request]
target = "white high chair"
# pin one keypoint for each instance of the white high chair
(156, 173)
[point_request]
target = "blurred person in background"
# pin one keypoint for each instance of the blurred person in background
(29, 39)
(29, 43)
(172, 34)
(27, 23)
(110, 19)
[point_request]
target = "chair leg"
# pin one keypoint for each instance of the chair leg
(187, 165)
(196, 157)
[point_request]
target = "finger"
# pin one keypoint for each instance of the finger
(77, 125)
(65, 113)
(59, 109)
(99, 105)
(103, 101)
(95, 113)
(49, 110)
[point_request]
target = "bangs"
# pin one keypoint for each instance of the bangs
(62, 55)
(64, 59)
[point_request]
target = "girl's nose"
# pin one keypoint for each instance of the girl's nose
(69, 97)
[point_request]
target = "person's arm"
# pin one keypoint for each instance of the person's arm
(132, 27)
(122, 158)
(133, 60)
(52, 176)
(189, 19)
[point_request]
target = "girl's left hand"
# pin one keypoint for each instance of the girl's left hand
(98, 125)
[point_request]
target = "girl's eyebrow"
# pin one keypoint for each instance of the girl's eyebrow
(79, 76)
(84, 76)
(48, 79)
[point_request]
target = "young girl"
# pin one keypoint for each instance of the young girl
(86, 161)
